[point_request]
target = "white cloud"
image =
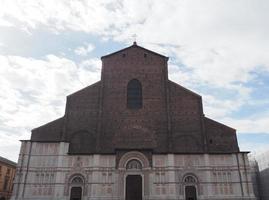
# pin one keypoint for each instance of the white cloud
(255, 148)
(34, 92)
(5, 23)
(258, 124)
(84, 50)
(220, 41)
(216, 43)
(89, 69)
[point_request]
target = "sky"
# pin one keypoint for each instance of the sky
(217, 48)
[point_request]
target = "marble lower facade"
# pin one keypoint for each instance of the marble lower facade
(46, 171)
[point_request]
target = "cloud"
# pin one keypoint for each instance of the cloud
(34, 92)
(221, 42)
(32, 87)
(88, 16)
(5, 23)
(214, 45)
(84, 50)
(250, 124)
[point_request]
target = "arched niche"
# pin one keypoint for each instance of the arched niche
(82, 142)
(76, 185)
(190, 186)
(134, 94)
(133, 155)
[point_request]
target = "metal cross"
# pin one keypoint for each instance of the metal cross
(134, 37)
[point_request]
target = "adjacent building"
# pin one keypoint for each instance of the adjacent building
(7, 174)
(260, 175)
(133, 135)
(255, 177)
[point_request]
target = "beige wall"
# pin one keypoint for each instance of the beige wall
(48, 173)
(7, 173)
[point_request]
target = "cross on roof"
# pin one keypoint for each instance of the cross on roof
(134, 38)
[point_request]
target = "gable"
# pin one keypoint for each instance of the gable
(185, 115)
(156, 114)
(220, 138)
(134, 46)
(50, 132)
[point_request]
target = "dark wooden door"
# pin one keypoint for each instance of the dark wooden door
(190, 193)
(76, 193)
(134, 187)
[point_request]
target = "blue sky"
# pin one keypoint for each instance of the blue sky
(217, 48)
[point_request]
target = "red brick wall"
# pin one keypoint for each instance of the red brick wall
(186, 113)
(82, 111)
(145, 124)
(221, 138)
(170, 120)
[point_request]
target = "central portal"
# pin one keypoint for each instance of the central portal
(76, 193)
(190, 192)
(133, 187)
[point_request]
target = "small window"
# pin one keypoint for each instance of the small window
(123, 55)
(134, 94)
(6, 184)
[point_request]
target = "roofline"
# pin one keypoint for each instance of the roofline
(187, 90)
(247, 152)
(92, 85)
(60, 118)
(220, 123)
(137, 46)
(8, 162)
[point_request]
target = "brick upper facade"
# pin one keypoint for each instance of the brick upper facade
(171, 119)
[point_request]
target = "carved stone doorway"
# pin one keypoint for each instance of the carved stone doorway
(190, 193)
(133, 187)
(76, 193)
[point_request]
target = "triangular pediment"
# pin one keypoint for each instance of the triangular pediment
(132, 47)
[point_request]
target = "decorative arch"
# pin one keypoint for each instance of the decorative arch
(186, 143)
(133, 155)
(190, 186)
(134, 164)
(135, 137)
(82, 142)
(134, 94)
(190, 178)
(76, 186)
(76, 178)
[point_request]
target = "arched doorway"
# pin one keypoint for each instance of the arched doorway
(76, 193)
(190, 193)
(76, 188)
(190, 183)
(133, 166)
(133, 187)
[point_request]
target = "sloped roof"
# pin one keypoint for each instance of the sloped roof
(135, 46)
(8, 162)
(48, 132)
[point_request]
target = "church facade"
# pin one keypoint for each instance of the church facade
(133, 135)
